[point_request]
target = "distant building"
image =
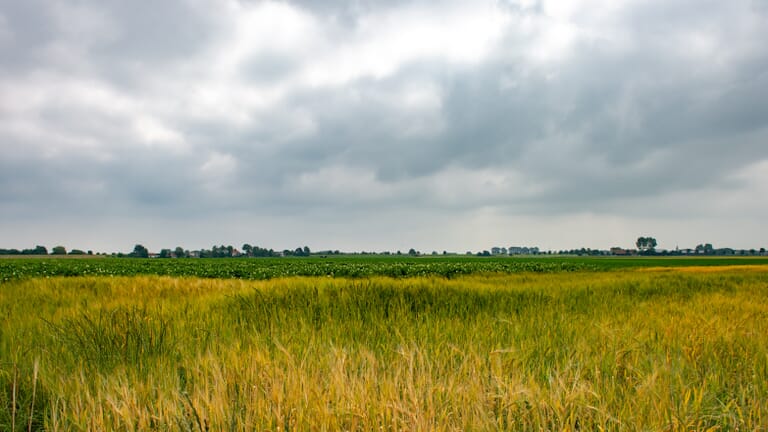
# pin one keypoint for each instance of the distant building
(523, 250)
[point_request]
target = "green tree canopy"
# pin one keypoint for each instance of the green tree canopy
(646, 244)
(140, 251)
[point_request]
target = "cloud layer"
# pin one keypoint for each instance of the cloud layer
(370, 124)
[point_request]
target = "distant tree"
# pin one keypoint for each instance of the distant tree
(412, 252)
(256, 251)
(76, 252)
(221, 251)
(90, 252)
(179, 252)
(58, 250)
(646, 244)
(40, 250)
(140, 251)
(306, 251)
(165, 253)
(248, 249)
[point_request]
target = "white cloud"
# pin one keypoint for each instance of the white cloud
(381, 44)
(494, 187)
(154, 133)
(342, 184)
(269, 26)
(219, 165)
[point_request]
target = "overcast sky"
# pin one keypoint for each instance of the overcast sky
(383, 125)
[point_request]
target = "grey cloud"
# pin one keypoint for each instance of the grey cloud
(346, 11)
(611, 120)
(519, 8)
(150, 37)
(28, 27)
(151, 31)
(680, 122)
(266, 68)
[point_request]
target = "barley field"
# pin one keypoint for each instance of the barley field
(632, 349)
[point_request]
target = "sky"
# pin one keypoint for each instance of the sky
(383, 125)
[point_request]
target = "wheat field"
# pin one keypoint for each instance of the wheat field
(652, 349)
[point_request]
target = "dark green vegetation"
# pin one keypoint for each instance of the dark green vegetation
(344, 266)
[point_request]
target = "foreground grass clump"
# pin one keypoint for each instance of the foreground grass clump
(634, 350)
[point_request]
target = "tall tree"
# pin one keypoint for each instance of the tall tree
(646, 244)
(140, 251)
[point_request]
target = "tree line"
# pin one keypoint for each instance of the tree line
(221, 251)
(645, 246)
(42, 250)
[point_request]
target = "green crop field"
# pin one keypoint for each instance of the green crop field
(384, 344)
(344, 266)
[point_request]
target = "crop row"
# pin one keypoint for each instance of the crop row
(261, 269)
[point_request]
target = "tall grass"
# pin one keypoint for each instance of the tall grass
(633, 350)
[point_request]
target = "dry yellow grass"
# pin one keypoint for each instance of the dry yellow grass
(629, 350)
(704, 269)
